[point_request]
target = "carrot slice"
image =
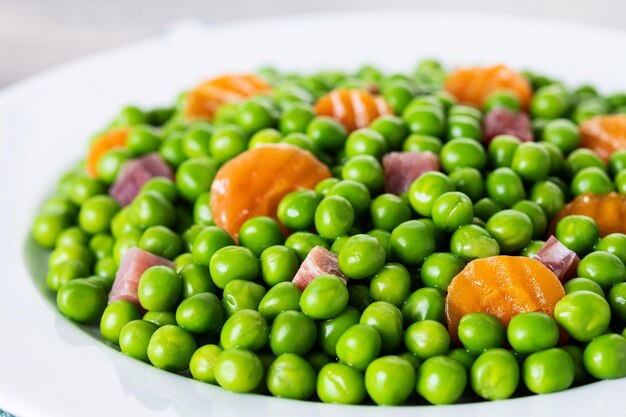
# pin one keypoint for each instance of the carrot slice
(503, 286)
(354, 108)
(604, 134)
(203, 101)
(114, 138)
(473, 85)
(253, 183)
(608, 211)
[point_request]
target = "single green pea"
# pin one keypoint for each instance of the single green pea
(183, 260)
(605, 357)
(563, 133)
(194, 177)
(196, 139)
(62, 273)
(160, 318)
(393, 129)
(501, 150)
(387, 320)
(291, 376)
(412, 242)
(134, 338)
(227, 142)
(531, 162)
(255, 115)
(462, 152)
(292, 332)
(364, 169)
(617, 161)
(392, 283)
(358, 346)
(115, 316)
(296, 210)
(278, 264)
(462, 110)
(486, 207)
(427, 338)
(196, 279)
(504, 186)
(502, 99)
(580, 373)
(480, 332)
(106, 267)
(159, 288)
(325, 297)
(233, 262)
(441, 380)
(101, 245)
(469, 181)
(439, 269)
(172, 150)
(584, 158)
(331, 330)
(265, 137)
(47, 227)
(327, 134)
(398, 94)
(389, 380)
(202, 363)
(356, 193)
(452, 210)
(464, 357)
(583, 284)
(301, 243)
(300, 140)
(238, 370)
(557, 160)
(425, 120)
(76, 253)
(614, 243)
(340, 384)
(549, 196)
(240, 295)
(495, 374)
(361, 256)
(72, 236)
(422, 143)
(472, 242)
(549, 102)
(208, 241)
(81, 301)
(536, 215)
(512, 230)
(281, 297)
(150, 208)
(161, 241)
(97, 213)
(383, 236)
(426, 189)
(334, 217)
(110, 163)
(591, 180)
(532, 332)
(83, 187)
(579, 233)
(620, 182)
(259, 233)
(202, 214)
(424, 304)
(548, 371)
(617, 301)
(387, 211)
(604, 268)
(121, 222)
(200, 313)
(365, 142)
(246, 329)
(296, 118)
(464, 127)
(583, 314)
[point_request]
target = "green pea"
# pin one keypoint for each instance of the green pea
(81, 301)
(281, 297)
(617, 161)
(464, 127)
(425, 120)
(426, 189)
(361, 256)
(238, 370)
(134, 338)
(427, 338)
(579, 233)
(614, 243)
(63, 272)
(340, 384)
(233, 262)
(389, 380)
(511, 229)
(101, 244)
(591, 180)
(532, 332)
(172, 150)
(536, 215)
(359, 346)
(495, 374)
(501, 150)
(412, 242)
(604, 268)
(485, 208)
(530, 251)
(208, 241)
(398, 94)
(255, 115)
(121, 222)
(160, 318)
(549, 196)
(83, 188)
(392, 283)
(292, 332)
(194, 177)
(589, 108)
(452, 210)
(549, 102)
(301, 243)
(291, 376)
(72, 236)
(441, 380)
(200, 313)
(531, 162)
(462, 152)
(97, 213)
(150, 208)
(278, 264)
(422, 143)
(47, 227)
(245, 329)
(326, 134)
(504, 186)
(202, 363)
(228, 141)
(583, 284)
(240, 295)
(296, 118)
(555, 155)
(620, 182)
(161, 241)
(584, 158)
(325, 297)
(563, 133)
(617, 301)
(356, 193)
(196, 279)
(334, 217)
(439, 269)
(472, 242)
(110, 163)
(365, 142)
(387, 319)
(469, 181)
(464, 357)
(605, 357)
(364, 169)
(393, 129)
(387, 211)
(76, 253)
(106, 268)
(296, 210)
(300, 140)
(548, 371)
(331, 330)
(583, 314)
(480, 332)
(424, 304)
(196, 139)
(159, 288)
(259, 233)
(580, 373)
(115, 316)
(264, 137)
(502, 99)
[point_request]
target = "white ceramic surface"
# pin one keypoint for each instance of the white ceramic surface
(51, 367)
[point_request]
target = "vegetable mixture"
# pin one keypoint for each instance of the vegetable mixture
(431, 237)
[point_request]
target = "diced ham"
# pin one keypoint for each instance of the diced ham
(134, 262)
(502, 121)
(319, 261)
(402, 168)
(134, 174)
(558, 259)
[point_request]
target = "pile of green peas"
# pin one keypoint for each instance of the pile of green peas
(231, 315)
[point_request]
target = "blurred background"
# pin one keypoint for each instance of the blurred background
(37, 34)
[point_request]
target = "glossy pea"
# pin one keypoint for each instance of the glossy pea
(536, 215)
(238, 370)
(389, 380)
(283, 296)
(441, 380)
(245, 329)
(365, 142)
(604, 268)
(426, 189)
(326, 133)
(504, 186)
(469, 181)
(196, 279)
(583, 284)
(583, 158)
(549, 196)
(296, 118)
(462, 152)
(412, 242)
(240, 295)
(511, 229)
(531, 162)
(301, 243)
(452, 210)
(233, 262)
(331, 330)
(356, 193)
(365, 169)
(439, 269)
(424, 304)
(259, 233)
(81, 301)
(159, 288)
(614, 243)
(134, 338)
(579, 233)
(548, 371)
(392, 283)
(480, 332)
(161, 241)
(150, 208)
(292, 332)
(501, 150)
(472, 242)
(387, 319)
(495, 374)
(605, 357)
(325, 297)
(563, 133)
(422, 143)
(341, 384)
(392, 128)
(202, 363)
(591, 180)
(583, 314)
(291, 376)
(532, 332)
(296, 210)
(115, 316)
(361, 256)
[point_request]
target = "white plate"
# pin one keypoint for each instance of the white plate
(51, 367)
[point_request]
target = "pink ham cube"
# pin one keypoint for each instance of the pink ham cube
(134, 262)
(501, 121)
(558, 259)
(134, 174)
(318, 262)
(402, 168)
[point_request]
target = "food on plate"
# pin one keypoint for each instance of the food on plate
(355, 238)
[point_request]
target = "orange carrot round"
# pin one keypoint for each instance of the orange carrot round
(473, 85)
(604, 134)
(503, 286)
(354, 108)
(114, 138)
(253, 183)
(203, 101)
